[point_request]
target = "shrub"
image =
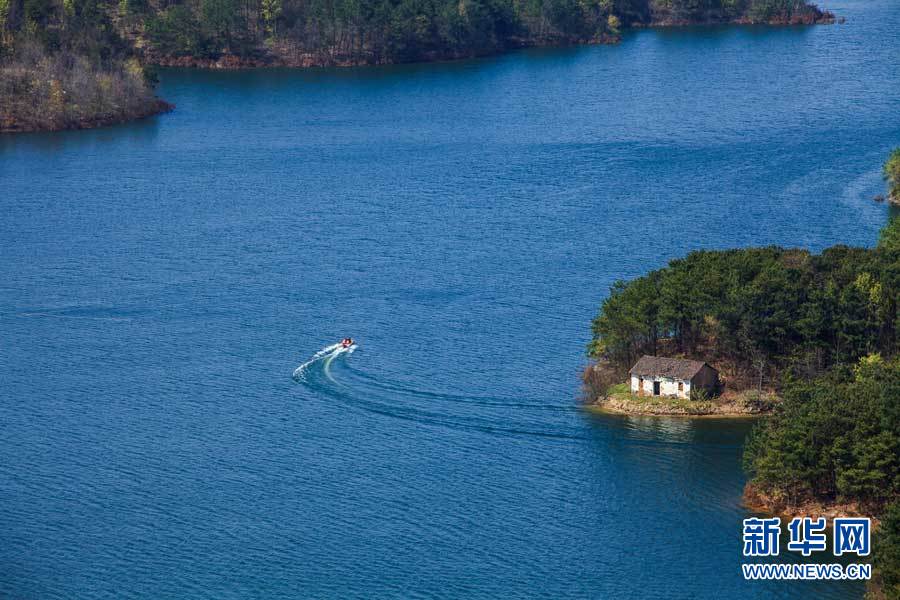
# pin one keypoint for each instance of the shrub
(597, 381)
(42, 90)
(887, 551)
(891, 172)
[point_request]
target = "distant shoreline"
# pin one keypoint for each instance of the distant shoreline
(281, 54)
(311, 60)
(53, 101)
(278, 57)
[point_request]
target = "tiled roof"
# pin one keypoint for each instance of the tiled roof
(659, 366)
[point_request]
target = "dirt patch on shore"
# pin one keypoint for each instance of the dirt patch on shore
(758, 501)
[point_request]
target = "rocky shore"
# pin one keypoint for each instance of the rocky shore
(287, 56)
(729, 404)
(686, 409)
(758, 501)
(812, 17)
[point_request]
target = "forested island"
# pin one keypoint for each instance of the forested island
(761, 316)
(81, 63)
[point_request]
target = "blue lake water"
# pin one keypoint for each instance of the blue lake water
(160, 281)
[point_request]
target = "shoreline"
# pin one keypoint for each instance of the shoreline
(285, 59)
(619, 399)
(759, 502)
(158, 107)
(605, 409)
(282, 58)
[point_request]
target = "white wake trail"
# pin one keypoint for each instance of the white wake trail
(328, 353)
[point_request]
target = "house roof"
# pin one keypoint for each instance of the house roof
(659, 366)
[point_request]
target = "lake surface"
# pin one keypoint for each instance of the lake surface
(160, 282)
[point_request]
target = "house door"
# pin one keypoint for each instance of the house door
(656, 388)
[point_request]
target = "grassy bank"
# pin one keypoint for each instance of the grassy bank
(618, 398)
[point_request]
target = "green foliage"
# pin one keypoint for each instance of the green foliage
(889, 239)
(756, 11)
(887, 551)
(762, 10)
(271, 11)
(619, 388)
(824, 326)
(628, 324)
(44, 90)
(176, 32)
(208, 30)
(409, 30)
(65, 64)
(836, 437)
(891, 172)
(758, 311)
(393, 30)
(221, 18)
(355, 30)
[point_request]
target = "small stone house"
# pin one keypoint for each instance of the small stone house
(660, 376)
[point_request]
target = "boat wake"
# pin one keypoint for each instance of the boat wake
(327, 373)
(326, 355)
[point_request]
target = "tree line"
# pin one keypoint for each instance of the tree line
(758, 313)
(364, 30)
(373, 31)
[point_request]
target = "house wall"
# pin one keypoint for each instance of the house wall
(667, 386)
(706, 378)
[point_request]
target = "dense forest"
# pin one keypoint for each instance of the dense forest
(758, 314)
(372, 31)
(835, 437)
(836, 440)
(353, 31)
